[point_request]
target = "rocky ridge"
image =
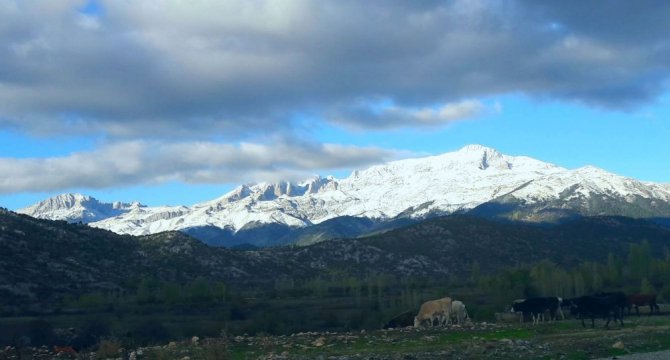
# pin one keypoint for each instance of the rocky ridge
(474, 178)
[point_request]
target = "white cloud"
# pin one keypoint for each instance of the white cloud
(141, 162)
(373, 116)
(88, 22)
(147, 73)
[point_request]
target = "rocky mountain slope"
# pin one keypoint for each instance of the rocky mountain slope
(474, 177)
(77, 208)
(43, 260)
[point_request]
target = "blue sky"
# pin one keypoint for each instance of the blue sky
(176, 103)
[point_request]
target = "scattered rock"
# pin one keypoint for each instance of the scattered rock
(618, 345)
(319, 342)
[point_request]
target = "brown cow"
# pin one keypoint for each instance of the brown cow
(433, 309)
(638, 300)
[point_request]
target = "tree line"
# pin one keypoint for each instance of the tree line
(338, 301)
(638, 272)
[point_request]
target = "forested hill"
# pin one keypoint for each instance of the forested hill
(43, 260)
(452, 244)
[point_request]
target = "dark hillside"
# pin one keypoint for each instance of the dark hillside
(450, 245)
(45, 260)
(41, 258)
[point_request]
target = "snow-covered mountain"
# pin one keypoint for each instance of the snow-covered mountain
(472, 177)
(77, 207)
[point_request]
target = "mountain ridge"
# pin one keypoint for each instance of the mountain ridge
(470, 179)
(75, 207)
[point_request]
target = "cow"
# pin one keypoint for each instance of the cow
(536, 307)
(638, 300)
(508, 317)
(560, 305)
(400, 320)
(446, 303)
(458, 312)
(607, 305)
(620, 300)
(560, 311)
(432, 310)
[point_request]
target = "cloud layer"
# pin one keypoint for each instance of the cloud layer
(230, 67)
(134, 162)
(214, 74)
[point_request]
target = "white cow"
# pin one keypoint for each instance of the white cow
(458, 312)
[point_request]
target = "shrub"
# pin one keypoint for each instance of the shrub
(151, 332)
(215, 349)
(40, 332)
(91, 332)
(108, 349)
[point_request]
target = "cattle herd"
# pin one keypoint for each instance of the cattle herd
(607, 305)
(444, 310)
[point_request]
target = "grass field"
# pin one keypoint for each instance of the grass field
(558, 340)
(151, 330)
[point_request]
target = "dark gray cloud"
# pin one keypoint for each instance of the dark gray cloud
(629, 22)
(235, 68)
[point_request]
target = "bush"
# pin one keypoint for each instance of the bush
(40, 332)
(91, 332)
(108, 349)
(151, 332)
(214, 350)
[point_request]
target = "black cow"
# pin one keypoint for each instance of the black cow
(620, 298)
(401, 320)
(607, 305)
(536, 307)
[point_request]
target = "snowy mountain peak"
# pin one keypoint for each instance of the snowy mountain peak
(476, 148)
(77, 207)
(484, 157)
(236, 194)
(590, 169)
(70, 198)
(451, 182)
(62, 201)
(269, 191)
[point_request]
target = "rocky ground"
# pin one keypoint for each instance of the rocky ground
(559, 340)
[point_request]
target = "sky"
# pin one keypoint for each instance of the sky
(176, 102)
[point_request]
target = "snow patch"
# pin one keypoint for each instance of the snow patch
(445, 183)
